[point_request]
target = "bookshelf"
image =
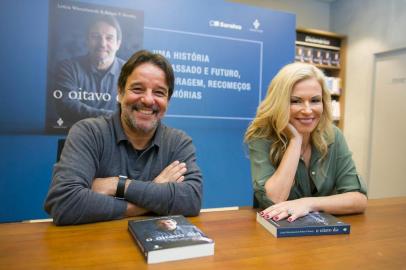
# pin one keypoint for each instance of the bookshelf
(327, 51)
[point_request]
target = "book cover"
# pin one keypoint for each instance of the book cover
(170, 238)
(335, 60)
(334, 85)
(315, 223)
(326, 57)
(317, 56)
(80, 36)
(335, 105)
(308, 55)
(299, 54)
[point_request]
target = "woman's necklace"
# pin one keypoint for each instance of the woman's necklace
(303, 152)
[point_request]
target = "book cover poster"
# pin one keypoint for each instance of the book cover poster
(87, 46)
(168, 232)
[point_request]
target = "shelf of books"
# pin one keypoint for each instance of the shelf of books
(326, 50)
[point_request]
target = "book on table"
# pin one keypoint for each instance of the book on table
(170, 238)
(315, 223)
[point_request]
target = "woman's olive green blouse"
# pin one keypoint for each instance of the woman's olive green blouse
(333, 175)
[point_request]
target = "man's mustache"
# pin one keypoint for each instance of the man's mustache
(138, 106)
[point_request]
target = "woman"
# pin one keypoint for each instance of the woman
(300, 161)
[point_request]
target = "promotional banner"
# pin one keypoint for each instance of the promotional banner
(88, 44)
(63, 66)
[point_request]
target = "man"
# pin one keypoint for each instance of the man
(169, 233)
(85, 86)
(167, 224)
(129, 163)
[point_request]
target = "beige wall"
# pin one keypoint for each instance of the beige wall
(372, 26)
(309, 13)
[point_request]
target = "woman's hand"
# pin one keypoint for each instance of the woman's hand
(293, 133)
(288, 209)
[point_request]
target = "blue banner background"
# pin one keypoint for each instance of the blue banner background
(28, 154)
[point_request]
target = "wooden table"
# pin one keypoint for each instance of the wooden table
(377, 241)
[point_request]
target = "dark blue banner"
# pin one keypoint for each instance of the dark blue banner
(224, 56)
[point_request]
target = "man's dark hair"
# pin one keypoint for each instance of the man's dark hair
(142, 57)
(110, 20)
(161, 225)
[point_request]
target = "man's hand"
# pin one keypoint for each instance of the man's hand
(133, 210)
(173, 173)
(106, 186)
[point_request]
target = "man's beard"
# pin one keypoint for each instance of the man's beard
(102, 62)
(132, 122)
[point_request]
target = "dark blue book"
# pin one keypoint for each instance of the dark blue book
(315, 223)
(170, 238)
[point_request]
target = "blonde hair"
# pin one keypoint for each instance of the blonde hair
(273, 113)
